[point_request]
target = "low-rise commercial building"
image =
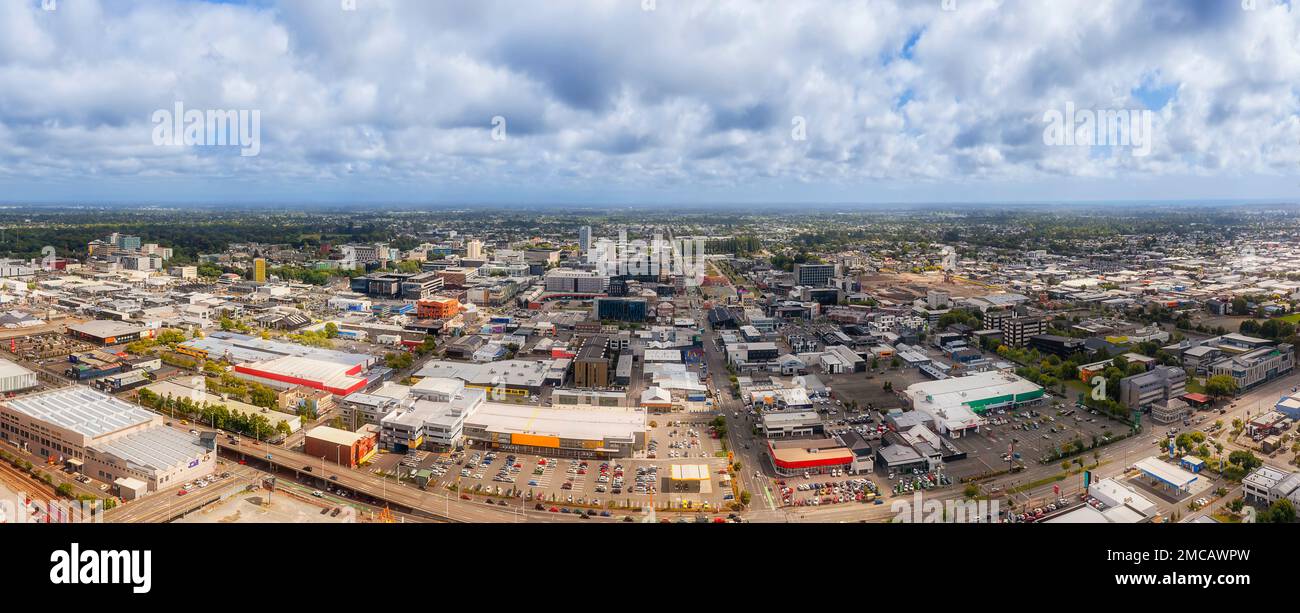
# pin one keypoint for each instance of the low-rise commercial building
(342, 447)
(1257, 366)
(958, 404)
(816, 456)
(1160, 384)
(432, 417)
(109, 332)
(195, 389)
(1266, 485)
(1169, 411)
(1122, 505)
(783, 424)
(506, 378)
(437, 308)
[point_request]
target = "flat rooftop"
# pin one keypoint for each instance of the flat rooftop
(244, 348)
(105, 328)
(689, 472)
(810, 450)
(1165, 472)
(334, 435)
(527, 373)
(778, 418)
(81, 410)
(979, 387)
(157, 448)
(587, 424)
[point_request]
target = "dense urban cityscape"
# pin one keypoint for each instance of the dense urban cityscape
(726, 276)
(1024, 366)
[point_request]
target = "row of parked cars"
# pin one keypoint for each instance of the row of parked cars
(584, 514)
(1038, 513)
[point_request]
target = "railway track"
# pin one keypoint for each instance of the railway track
(23, 485)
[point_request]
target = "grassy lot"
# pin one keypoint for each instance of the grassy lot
(1293, 318)
(1039, 483)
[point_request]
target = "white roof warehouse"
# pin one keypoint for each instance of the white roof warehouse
(959, 403)
(114, 439)
(588, 432)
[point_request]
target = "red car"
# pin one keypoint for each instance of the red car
(555, 510)
(181, 493)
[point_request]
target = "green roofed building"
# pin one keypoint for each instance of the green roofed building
(959, 404)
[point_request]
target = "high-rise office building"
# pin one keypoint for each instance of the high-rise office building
(584, 239)
(814, 275)
(259, 270)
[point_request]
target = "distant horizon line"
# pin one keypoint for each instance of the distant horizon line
(407, 205)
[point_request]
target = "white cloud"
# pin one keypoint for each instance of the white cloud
(690, 96)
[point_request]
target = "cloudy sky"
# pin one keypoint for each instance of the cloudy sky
(648, 101)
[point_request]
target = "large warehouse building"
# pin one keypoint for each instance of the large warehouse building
(598, 433)
(290, 371)
(14, 378)
(109, 438)
(960, 403)
(235, 348)
(108, 332)
(509, 377)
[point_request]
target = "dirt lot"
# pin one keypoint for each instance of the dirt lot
(869, 387)
(917, 284)
(282, 507)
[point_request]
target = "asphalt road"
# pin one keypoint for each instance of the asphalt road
(167, 504)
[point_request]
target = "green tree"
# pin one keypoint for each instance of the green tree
(1245, 459)
(1282, 512)
(171, 337)
(262, 396)
(1221, 386)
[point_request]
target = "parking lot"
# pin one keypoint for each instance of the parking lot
(828, 489)
(631, 483)
(680, 436)
(554, 481)
(1038, 431)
